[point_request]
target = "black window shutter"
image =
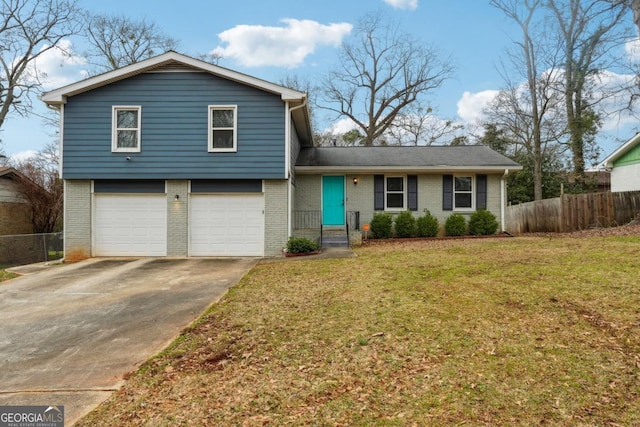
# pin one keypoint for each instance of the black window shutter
(447, 192)
(481, 191)
(378, 192)
(412, 192)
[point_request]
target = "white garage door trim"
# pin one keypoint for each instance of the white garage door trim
(226, 224)
(130, 225)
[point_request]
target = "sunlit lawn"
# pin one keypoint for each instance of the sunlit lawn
(520, 331)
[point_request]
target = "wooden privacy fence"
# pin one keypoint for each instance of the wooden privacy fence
(573, 212)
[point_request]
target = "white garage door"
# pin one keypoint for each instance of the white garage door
(226, 225)
(130, 225)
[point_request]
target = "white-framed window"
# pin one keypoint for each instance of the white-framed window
(126, 129)
(223, 121)
(463, 192)
(395, 192)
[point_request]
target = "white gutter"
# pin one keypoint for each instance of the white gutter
(503, 199)
(405, 168)
(287, 133)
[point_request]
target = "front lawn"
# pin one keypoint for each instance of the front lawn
(520, 331)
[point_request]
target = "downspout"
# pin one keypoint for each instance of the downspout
(288, 165)
(503, 199)
(60, 110)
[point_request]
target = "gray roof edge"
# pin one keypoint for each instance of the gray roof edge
(399, 157)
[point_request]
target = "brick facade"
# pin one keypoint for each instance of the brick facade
(276, 215)
(177, 218)
(77, 219)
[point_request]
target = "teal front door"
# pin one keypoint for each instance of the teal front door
(333, 200)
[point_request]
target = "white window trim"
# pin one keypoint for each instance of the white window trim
(473, 193)
(404, 193)
(234, 129)
(114, 129)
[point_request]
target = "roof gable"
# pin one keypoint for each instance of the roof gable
(9, 173)
(176, 62)
(611, 160)
(170, 61)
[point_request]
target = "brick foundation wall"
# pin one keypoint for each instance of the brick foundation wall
(177, 218)
(276, 232)
(77, 220)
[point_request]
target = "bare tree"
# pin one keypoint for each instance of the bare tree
(28, 29)
(531, 112)
(42, 187)
(634, 5)
(417, 125)
(587, 32)
(117, 41)
(382, 72)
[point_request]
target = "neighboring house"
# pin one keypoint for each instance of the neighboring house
(15, 211)
(173, 156)
(624, 165)
(356, 182)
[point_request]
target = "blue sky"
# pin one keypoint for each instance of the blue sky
(471, 32)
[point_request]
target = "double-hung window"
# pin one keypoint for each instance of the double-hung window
(223, 121)
(395, 192)
(126, 129)
(463, 192)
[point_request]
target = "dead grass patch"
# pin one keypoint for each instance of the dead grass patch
(477, 332)
(5, 275)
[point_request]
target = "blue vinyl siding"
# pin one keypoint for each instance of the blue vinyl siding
(174, 130)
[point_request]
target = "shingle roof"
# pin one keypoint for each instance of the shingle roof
(467, 157)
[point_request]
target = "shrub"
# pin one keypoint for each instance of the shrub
(455, 225)
(405, 225)
(381, 225)
(483, 223)
(301, 245)
(427, 225)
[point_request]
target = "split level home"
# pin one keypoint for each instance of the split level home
(173, 156)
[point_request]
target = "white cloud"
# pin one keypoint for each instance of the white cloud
(286, 46)
(341, 127)
(632, 48)
(470, 106)
(22, 156)
(616, 91)
(60, 66)
(403, 4)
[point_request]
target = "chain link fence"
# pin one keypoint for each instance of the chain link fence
(21, 249)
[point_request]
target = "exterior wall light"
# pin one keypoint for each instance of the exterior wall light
(355, 181)
(175, 199)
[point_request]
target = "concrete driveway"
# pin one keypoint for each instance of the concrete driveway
(69, 334)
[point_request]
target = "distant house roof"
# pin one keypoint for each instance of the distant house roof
(176, 61)
(619, 152)
(421, 158)
(8, 172)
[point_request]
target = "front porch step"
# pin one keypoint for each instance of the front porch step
(335, 241)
